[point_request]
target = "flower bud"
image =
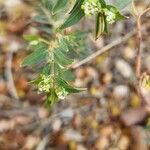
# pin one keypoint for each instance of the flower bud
(45, 83)
(110, 16)
(61, 92)
(91, 7)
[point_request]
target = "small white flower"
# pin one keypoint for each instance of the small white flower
(110, 16)
(45, 84)
(34, 42)
(91, 7)
(61, 92)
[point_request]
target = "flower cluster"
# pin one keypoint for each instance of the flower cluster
(45, 83)
(91, 7)
(110, 16)
(61, 92)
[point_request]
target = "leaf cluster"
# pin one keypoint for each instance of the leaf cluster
(53, 53)
(54, 58)
(105, 14)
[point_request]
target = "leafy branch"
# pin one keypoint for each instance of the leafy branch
(54, 58)
(54, 52)
(105, 14)
(142, 78)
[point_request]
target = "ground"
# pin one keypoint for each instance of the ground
(110, 115)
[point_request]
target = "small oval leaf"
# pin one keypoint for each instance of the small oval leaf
(59, 5)
(75, 15)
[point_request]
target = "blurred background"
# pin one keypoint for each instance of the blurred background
(108, 116)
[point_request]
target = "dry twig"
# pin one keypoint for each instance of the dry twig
(139, 41)
(9, 76)
(138, 57)
(107, 48)
(43, 143)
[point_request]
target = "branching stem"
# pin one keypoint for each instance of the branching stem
(139, 41)
(107, 48)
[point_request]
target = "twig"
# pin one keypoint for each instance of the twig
(46, 122)
(43, 143)
(138, 57)
(107, 48)
(7, 101)
(139, 41)
(47, 14)
(9, 77)
(31, 111)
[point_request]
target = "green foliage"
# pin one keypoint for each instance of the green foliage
(56, 56)
(38, 55)
(59, 5)
(105, 14)
(53, 52)
(101, 25)
(75, 16)
(48, 4)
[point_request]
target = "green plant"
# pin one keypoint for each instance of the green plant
(54, 50)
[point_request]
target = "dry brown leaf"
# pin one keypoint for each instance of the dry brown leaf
(133, 116)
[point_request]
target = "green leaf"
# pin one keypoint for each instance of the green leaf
(49, 4)
(115, 10)
(100, 25)
(122, 3)
(103, 3)
(47, 69)
(119, 16)
(59, 5)
(47, 29)
(72, 44)
(67, 75)
(36, 57)
(52, 98)
(75, 15)
(67, 47)
(69, 88)
(63, 44)
(61, 58)
(31, 37)
(40, 19)
(106, 25)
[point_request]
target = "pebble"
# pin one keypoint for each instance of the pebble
(121, 91)
(68, 113)
(102, 143)
(123, 143)
(56, 125)
(73, 135)
(124, 68)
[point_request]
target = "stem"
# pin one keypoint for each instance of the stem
(139, 41)
(53, 69)
(139, 51)
(44, 41)
(9, 76)
(107, 48)
(47, 14)
(138, 57)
